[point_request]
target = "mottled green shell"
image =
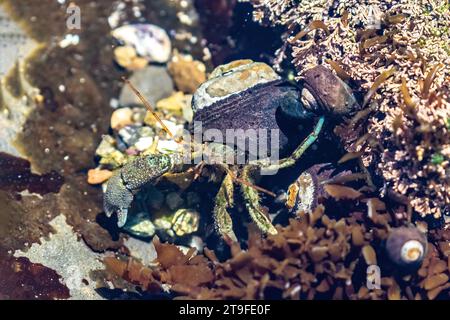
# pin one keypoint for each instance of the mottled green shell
(145, 169)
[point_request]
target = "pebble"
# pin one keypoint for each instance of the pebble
(146, 132)
(154, 83)
(197, 242)
(106, 146)
(192, 199)
(126, 57)
(174, 201)
(175, 128)
(164, 224)
(167, 146)
(140, 225)
(98, 176)
(141, 250)
(188, 74)
(188, 113)
(121, 117)
(174, 103)
(139, 115)
(185, 221)
(149, 41)
(155, 198)
(113, 160)
(129, 135)
(144, 143)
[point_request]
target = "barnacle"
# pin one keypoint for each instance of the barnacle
(406, 96)
(316, 24)
(410, 38)
(377, 84)
(339, 70)
(429, 79)
(374, 41)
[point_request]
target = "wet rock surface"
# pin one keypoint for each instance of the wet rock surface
(30, 281)
(62, 130)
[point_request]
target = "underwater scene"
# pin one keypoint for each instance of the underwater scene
(224, 150)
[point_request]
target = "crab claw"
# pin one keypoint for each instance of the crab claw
(117, 199)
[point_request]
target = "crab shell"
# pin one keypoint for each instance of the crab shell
(251, 95)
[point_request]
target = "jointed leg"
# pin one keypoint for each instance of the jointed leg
(296, 155)
(252, 201)
(224, 200)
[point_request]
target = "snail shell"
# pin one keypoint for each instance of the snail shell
(243, 95)
(251, 95)
(406, 246)
(304, 194)
(325, 93)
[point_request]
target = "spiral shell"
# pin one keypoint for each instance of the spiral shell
(406, 246)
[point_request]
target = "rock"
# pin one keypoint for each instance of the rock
(106, 146)
(126, 57)
(144, 143)
(140, 225)
(187, 73)
(197, 242)
(121, 117)
(155, 198)
(113, 160)
(185, 221)
(144, 251)
(175, 103)
(98, 176)
(146, 132)
(174, 201)
(172, 126)
(154, 83)
(139, 114)
(192, 199)
(150, 42)
(165, 225)
(167, 146)
(188, 113)
(69, 256)
(129, 135)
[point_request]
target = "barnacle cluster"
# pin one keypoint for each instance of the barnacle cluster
(397, 55)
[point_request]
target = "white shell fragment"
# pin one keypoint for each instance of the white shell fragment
(150, 41)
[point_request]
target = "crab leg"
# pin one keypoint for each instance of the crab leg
(252, 200)
(297, 154)
(223, 201)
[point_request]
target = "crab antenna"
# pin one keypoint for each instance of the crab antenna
(150, 109)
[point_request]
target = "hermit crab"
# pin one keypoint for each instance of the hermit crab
(242, 95)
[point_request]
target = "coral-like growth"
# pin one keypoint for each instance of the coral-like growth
(397, 55)
(313, 257)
